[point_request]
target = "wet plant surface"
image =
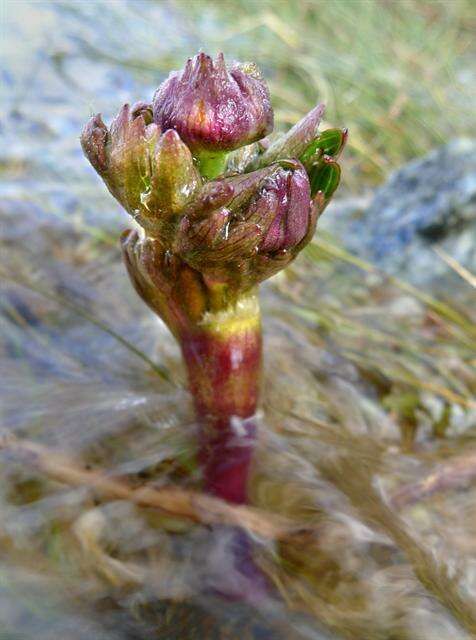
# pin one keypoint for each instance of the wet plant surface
(362, 509)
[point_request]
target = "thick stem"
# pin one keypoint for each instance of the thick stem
(223, 358)
(220, 338)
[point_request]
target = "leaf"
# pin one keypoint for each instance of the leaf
(324, 176)
(329, 143)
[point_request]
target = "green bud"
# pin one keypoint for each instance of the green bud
(122, 155)
(174, 180)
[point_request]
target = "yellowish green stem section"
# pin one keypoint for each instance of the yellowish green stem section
(223, 357)
(212, 165)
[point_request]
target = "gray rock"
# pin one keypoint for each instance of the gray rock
(429, 202)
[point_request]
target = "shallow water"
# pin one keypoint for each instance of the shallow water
(368, 393)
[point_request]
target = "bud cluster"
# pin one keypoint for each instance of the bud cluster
(212, 199)
(219, 207)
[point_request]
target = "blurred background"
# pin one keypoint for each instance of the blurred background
(369, 336)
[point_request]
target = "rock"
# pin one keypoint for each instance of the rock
(429, 202)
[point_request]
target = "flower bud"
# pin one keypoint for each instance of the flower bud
(214, 109)
(143, 109)
(211, 218)
(121, 155)
(93, 142)
(174, 179)
(290, 191)
(215, 194)
(268, 215)
(153, 176)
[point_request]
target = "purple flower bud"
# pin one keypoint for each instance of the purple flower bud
(289, 190)
(214, 108)
(267, 213)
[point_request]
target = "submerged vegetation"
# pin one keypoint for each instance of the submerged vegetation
(363, 483)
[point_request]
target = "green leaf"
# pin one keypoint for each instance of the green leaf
(329, 143)
(324, 176)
